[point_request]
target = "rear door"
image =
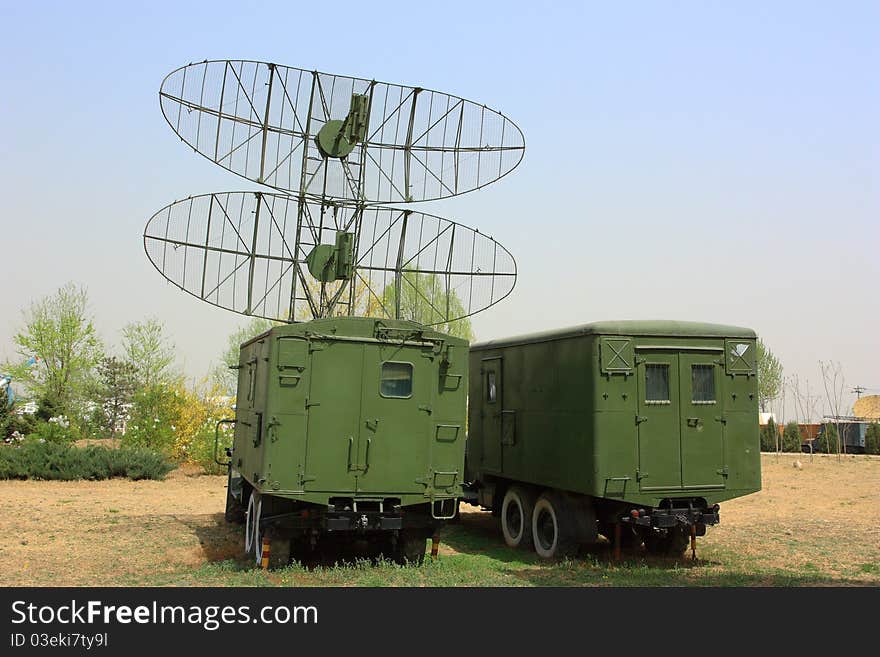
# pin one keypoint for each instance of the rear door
(395, 412)
(332, 459)
(490, 418)
(659, 421)
(702, 427)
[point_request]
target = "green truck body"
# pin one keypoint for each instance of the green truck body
(617, 417)
(348, 425)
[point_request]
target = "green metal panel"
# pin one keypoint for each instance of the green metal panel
(394, 431)
(575, 417)
(702, 424)
(333, 449)
(659, 421)
(312, 423)
(490, 417)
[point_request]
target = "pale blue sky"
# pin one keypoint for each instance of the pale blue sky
(703, 161)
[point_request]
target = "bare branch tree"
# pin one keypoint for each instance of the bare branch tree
(835, 387)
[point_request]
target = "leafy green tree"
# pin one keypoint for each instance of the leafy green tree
(769, 436)
(5, 415)
(113, 394)
(769, 375)
(791, 437)
(145, 345)
(59, 330)
(154, 412)
(872, 438)
(827, 443)
(423, 299)
(224, 377)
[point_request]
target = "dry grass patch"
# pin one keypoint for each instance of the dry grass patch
(816, 524)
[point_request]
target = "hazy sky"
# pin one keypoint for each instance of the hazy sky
(702, 161)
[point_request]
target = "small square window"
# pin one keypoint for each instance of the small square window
(657, 383)
(702, 384)
(491, 388)
(396, 380)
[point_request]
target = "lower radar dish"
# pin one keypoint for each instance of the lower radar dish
(294, 258)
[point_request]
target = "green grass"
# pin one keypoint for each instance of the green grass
(481, 560)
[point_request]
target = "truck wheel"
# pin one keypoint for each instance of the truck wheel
(553, 528)
(235, 511)
(410, 549)
(252, 526)
(516, 517)
(672, 543)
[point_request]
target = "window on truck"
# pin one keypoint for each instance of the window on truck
(657, 384)
(396, 380)
(703, 384)
(491, 388)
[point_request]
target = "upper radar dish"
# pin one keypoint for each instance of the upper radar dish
(332, 136)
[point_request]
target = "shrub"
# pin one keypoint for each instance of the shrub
(791, 437)
(827, 439)
(45, 460)
(872, 438)
(769, 435)
(54, 430)
(154, 414)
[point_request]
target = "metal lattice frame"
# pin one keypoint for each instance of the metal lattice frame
(246, 251)
(260, 121)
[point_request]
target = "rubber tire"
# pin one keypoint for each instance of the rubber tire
(522, 499)
(563, 544)
(671, 544)
(235, 511)
(410, 548)
(251, 532)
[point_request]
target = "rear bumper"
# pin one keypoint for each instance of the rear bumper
(668, 518)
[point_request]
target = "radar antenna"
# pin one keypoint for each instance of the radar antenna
(333, 149)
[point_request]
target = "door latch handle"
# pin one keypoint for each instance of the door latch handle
(693, 422)
(640, 419)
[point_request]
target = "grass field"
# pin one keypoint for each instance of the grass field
(814, 525)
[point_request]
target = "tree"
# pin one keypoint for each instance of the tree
(423, 300)
(60, 332)
(224, 377)
(769, 375)
(835, 389)
(828, 443)
(146, 346)
(872, 438)
(791, 437)
(769, 436)
(114, 392)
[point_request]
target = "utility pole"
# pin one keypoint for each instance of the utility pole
(859, 390)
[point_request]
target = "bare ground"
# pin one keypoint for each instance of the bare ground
(818, 519)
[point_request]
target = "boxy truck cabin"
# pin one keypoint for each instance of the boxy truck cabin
(347, 427)
(637, 429)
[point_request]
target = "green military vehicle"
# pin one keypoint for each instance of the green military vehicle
(631, 429)
(347, 427)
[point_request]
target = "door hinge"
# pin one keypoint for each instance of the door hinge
(723, 472)
(721, 419)
(309, 404)
(641, 475)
